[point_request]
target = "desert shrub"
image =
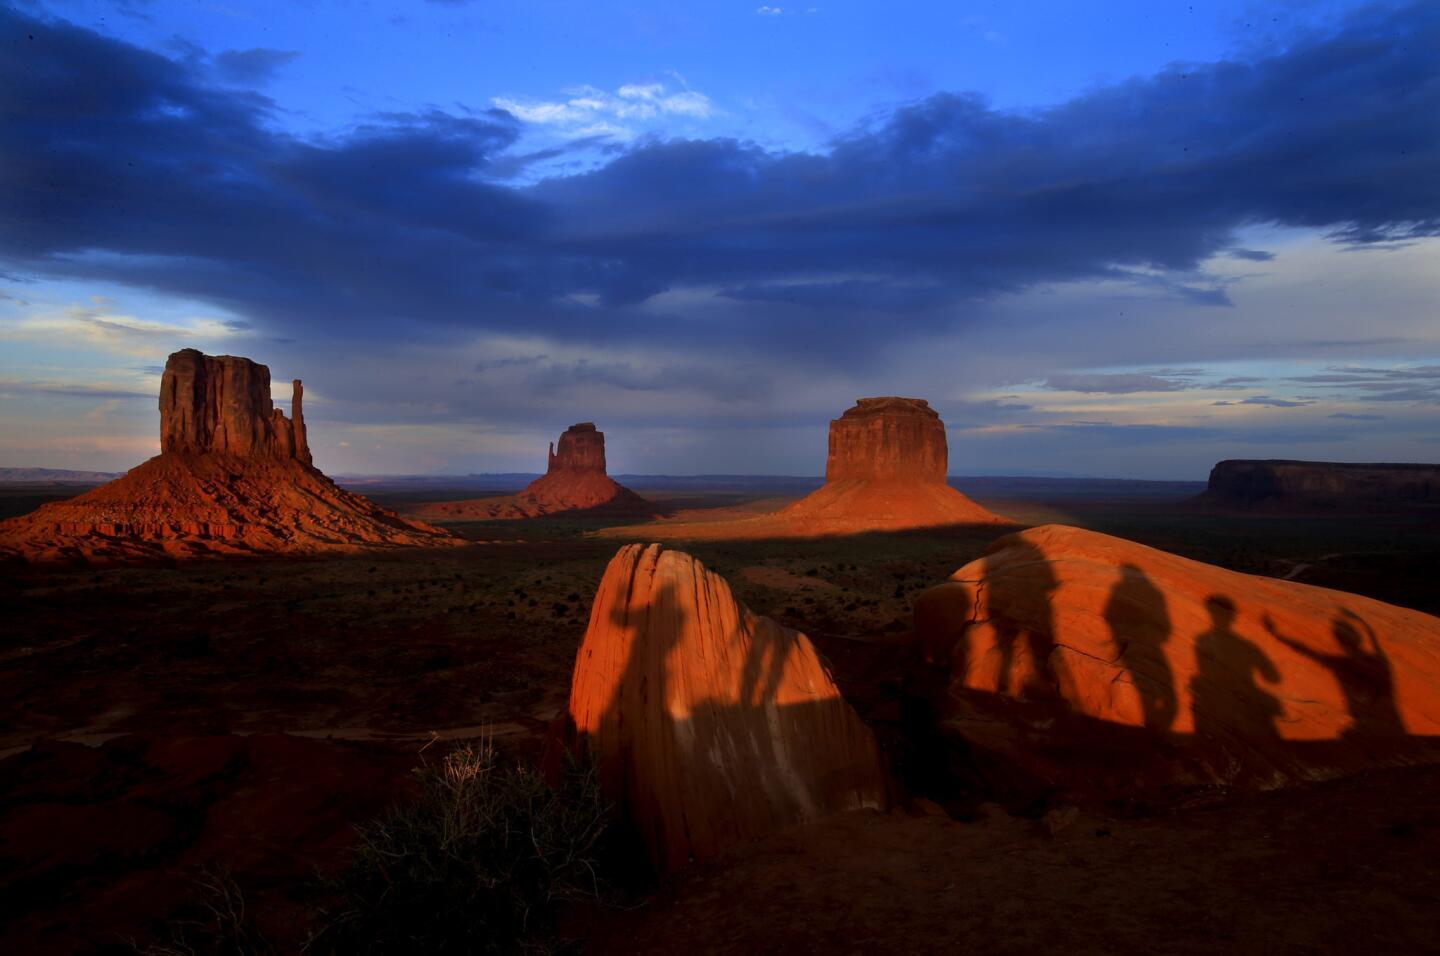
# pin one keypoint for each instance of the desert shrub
(475, 864)
(218, 923)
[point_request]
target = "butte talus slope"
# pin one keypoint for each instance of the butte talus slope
(574, 480)
(885, 471)
(234, 476)
(1091, 664)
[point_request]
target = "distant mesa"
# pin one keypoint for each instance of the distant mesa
(234, 476)
(1302, 485)
(713, 725)
(885, 471)
(55, 476)
(574, 481)
(1074, 661)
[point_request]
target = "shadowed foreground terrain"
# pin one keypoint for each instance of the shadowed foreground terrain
(316, 682)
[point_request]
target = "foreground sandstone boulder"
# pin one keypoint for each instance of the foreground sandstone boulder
(574, 480)
(234, 476)
(1322, 484)
(712, 724)
(1087, 663)
(885, 472)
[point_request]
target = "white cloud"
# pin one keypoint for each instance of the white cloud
(588, 110)
(768, 11)
(99, 324)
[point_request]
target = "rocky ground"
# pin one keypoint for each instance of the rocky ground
(204, 695)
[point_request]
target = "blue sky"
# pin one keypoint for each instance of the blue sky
(1122, 239)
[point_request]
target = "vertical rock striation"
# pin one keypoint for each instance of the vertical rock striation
(581, 449)
(221, 403)
(713, 725)
(884, 439)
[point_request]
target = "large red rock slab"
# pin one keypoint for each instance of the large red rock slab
(712, 724)
(1091, 663)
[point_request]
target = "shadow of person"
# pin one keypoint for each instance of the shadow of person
(769, 649)
(1225, 696)
(719, 724)
(1365, 676)
(1140, 625)
(638, 689)
(1020, 581)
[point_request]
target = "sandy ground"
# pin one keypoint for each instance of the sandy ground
(316, 683)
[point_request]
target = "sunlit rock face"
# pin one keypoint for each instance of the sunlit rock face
(574, 480)
(581, 449)
(891, 438)
(713, 724)
(1076, 661)
(575, 477)
(234, 476)
(885, 472)
(221, 403)
(1318, 483)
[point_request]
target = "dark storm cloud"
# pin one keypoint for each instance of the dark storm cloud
(121, 164)
(539, 373)
(254, 66)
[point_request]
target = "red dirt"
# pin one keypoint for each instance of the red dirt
(179, 505)
(1343, 867)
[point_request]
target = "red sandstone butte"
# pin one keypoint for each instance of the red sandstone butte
(713, 725)
(1093, 664)
(574, 480)
(234, 476)
(222, 404)
(885, 472)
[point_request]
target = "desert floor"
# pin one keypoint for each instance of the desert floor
(244, 714)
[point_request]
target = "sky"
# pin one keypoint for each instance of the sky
(1113, 239)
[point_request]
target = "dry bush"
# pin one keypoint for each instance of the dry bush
(476, 864)
(220, 924)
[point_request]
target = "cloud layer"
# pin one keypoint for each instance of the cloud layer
(711, 271)
(122, 164)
